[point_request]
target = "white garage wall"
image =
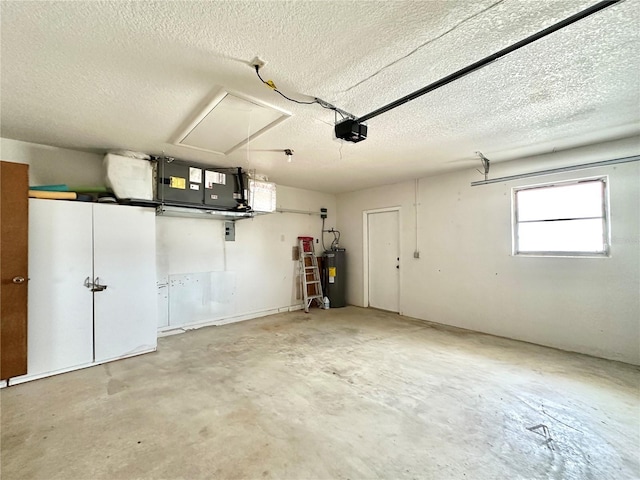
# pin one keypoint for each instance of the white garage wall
(52, 165)
(466, 276)
(261, 256)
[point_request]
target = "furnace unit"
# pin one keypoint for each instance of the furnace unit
(189, 184)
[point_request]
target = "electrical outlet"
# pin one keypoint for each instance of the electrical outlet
(258, 62)
(323, 213)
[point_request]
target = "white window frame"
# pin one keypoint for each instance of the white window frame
(605, 217)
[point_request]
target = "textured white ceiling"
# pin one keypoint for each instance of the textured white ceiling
(131, 75)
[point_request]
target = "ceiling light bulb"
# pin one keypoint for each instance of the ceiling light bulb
(289, 153)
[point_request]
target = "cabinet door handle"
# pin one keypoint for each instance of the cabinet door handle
(88, 284)
(97, 287)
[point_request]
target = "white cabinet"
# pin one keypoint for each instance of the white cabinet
(69, 326)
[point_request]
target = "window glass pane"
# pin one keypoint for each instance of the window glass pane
(561, 236)
(577, 200)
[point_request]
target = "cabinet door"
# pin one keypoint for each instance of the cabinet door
(125, 313)
(14, 223)
(60, 329)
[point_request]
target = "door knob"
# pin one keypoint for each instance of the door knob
(18, 280)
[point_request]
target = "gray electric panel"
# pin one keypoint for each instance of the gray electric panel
(335, 285)
(230, 231)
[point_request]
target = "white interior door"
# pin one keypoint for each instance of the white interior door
(384, 260)
(60, 330)
(126, 312)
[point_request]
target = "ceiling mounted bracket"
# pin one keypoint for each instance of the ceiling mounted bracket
(486, 164)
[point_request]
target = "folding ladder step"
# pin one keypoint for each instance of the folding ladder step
(309, 269)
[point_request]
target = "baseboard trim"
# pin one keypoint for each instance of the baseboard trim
(29, 378)
(216, 322)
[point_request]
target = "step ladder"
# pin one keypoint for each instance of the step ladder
(309, 273)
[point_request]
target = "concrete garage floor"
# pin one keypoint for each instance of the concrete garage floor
(345, 393)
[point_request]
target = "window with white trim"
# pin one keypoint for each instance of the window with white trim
(562, 219)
